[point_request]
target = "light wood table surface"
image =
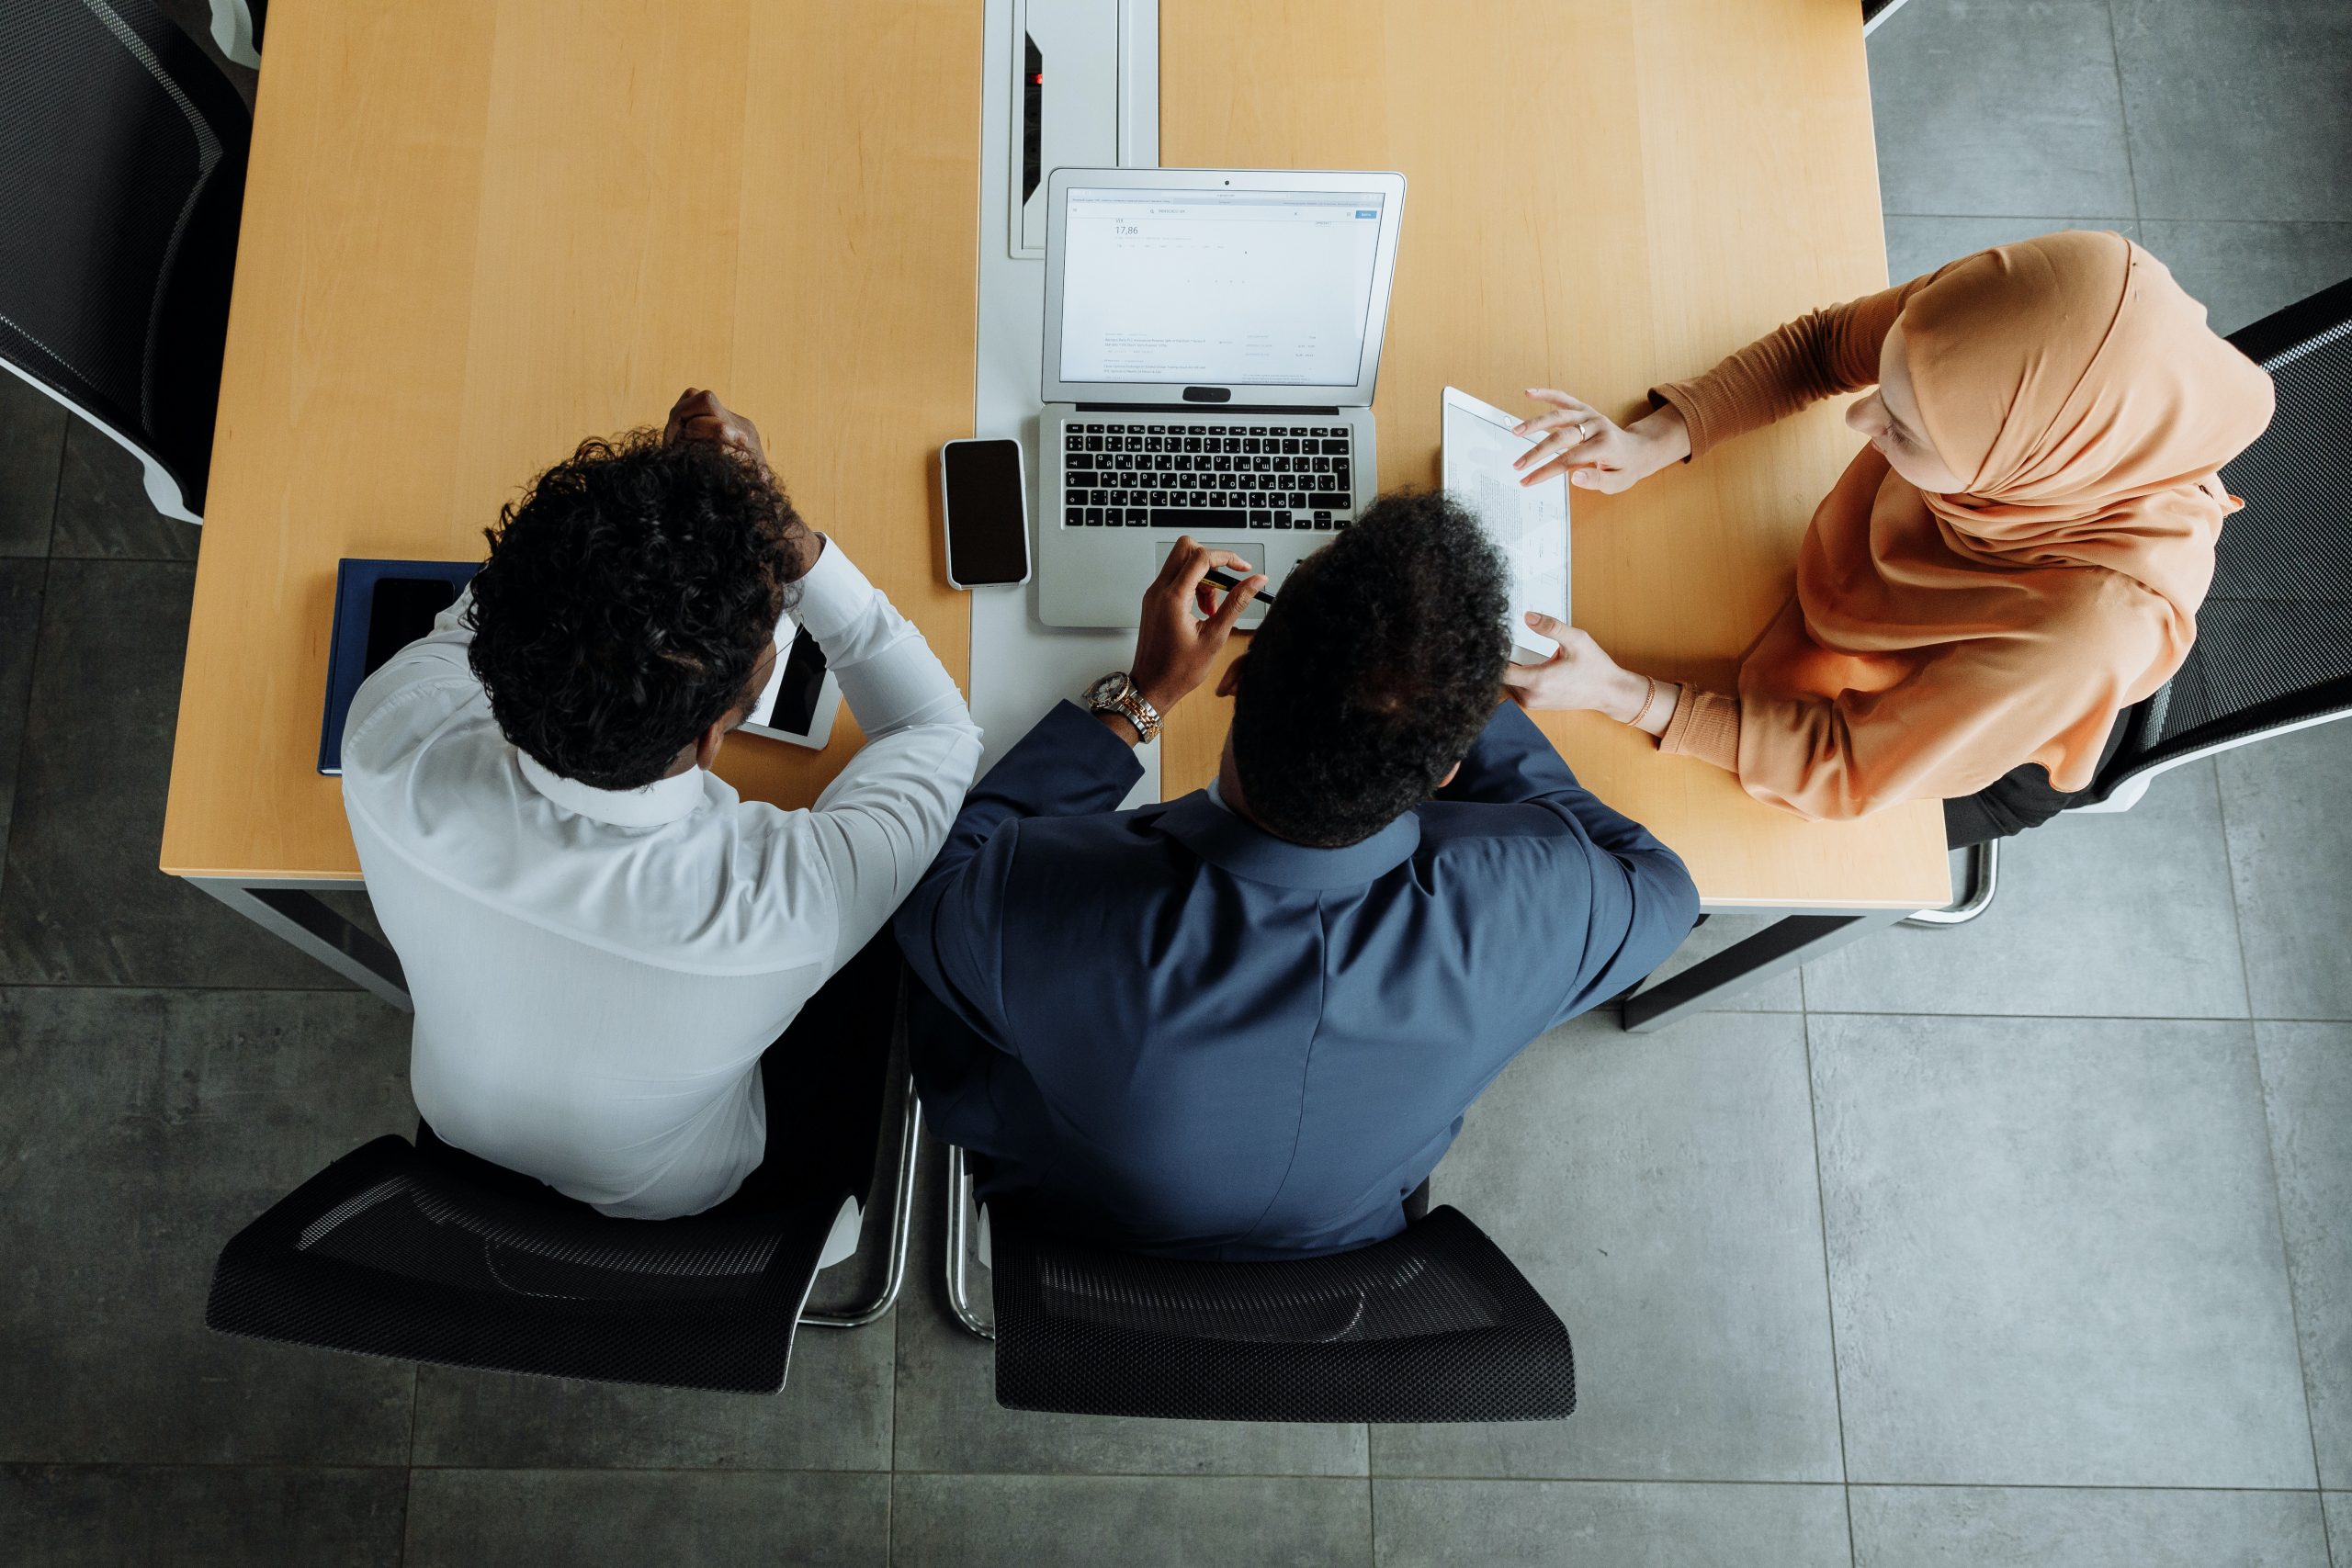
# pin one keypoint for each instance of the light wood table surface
(477, 231)
(1599, 196)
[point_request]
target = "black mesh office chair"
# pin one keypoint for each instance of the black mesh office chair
(1432, 1325)
(2274, 635)
(427, 1254)
(122, 172)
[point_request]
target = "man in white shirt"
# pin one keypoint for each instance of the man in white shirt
(601, 937)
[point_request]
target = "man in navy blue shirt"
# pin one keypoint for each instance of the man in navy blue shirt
(1245, 1024)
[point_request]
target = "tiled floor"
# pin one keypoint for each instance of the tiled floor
(2028, 1243)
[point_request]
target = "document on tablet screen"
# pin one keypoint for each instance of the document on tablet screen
(1529, 526)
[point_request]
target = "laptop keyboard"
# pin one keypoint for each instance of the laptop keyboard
(1201, 476)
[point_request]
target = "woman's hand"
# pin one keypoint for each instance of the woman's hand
(1593, 450)
(1583, 676)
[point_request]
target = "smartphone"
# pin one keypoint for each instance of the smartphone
(987, 510)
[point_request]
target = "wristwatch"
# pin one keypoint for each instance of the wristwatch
(1116, 693)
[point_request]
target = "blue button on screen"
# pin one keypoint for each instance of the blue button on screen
(1366, 212)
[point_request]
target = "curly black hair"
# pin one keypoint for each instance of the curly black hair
(627, 598)
(1379, 664)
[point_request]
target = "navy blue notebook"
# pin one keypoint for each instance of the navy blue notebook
(380, 606)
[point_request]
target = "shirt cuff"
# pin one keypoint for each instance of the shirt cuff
(1705, 724)
(1082, 730)
(1693, 407)
(833, 593)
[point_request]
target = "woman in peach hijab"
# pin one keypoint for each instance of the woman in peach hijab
(2015, 559)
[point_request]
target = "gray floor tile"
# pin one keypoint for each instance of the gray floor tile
(1660, 1192)
(20, 583)
(2307, 1085)
(2244, 271)
(1999, 106)
(102, 511)
(2336, 1507)
(1540, 1524)
(947, 1418)
(2288, 804)
(32, 440)
(1136, 1521)
(1915, 246)
(835, 1414)
(2113, 916)
(82, 902)
(142, 1130)
(2053, 1253)
(523, 1518)
(2050, 1527)
(2238, 109)
(1783, 992)
(107, 1515)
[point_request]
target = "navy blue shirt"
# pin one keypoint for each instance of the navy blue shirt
(1175, 1031)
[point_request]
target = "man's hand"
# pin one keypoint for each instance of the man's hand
(1174, 648)
(698, 415)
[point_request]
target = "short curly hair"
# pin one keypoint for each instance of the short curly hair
(629, 596)
(1379, 664)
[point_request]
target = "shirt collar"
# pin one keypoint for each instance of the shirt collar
(657, 804)
(1206, 825)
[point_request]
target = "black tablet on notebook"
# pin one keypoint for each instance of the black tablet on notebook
(380, 606)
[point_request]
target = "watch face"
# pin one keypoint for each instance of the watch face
(1107, 690)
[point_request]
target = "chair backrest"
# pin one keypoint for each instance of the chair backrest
(119, 199)
(2274, 638)
(390, 1254)
(1432, 1325)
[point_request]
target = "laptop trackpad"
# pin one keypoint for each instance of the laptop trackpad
(1253, 552)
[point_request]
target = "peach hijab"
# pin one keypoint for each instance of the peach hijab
(1936, 642)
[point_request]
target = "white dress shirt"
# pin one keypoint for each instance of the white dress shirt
(596, 972)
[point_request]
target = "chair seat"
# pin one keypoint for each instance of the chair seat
(1432, 1325)
(384, 1253)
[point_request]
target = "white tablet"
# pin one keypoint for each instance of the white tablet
(1529, 526)
(801, 696)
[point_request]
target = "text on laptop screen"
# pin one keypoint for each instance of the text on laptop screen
(1218, 288)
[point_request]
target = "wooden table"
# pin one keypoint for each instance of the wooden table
(477, 231)
(1600, 196)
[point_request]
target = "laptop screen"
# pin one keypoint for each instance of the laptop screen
(1218, 288)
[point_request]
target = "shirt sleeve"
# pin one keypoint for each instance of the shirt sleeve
(1706, 725)
(1818, 356)
(952, 929)
(1960, 720)
(1641, 901)
(882, 819)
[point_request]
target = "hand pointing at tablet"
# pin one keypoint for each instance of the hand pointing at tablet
(1592, 450)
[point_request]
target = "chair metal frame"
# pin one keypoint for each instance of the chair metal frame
(232, 33)
(899, 1233)
(1983, 881)
(960, 1208)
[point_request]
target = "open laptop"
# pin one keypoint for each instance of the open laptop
(1212, 341)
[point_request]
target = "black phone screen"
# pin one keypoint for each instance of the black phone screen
(988, 531)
